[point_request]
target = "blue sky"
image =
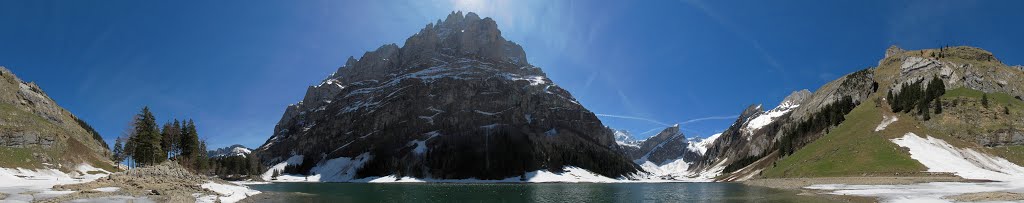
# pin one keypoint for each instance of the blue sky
(234, 65)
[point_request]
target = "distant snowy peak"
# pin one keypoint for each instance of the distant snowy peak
(700, 146)
(788, 104)
(233, 150)
(624, 138)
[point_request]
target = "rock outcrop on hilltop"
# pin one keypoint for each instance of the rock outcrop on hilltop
(967, 67)
(33, 121)
(456, 101)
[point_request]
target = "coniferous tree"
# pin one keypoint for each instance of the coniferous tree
(165, 139)
(171, 137)
(118, 151)
(189, 144)
(129, 150)
(984, 100)
(938, 106)
(1006, 110)
(148, 151)
(202, 159)
(175, 138)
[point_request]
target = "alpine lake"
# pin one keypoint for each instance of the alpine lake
(534, 192)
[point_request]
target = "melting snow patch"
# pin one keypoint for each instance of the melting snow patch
(490, 127)
(551, 132)
(940, 156)
(569, 174)
(107, 189)
(119, 198)
(24, 185)
(230, 193)
(485, 113)
(294, 160)
(923, 192)
(886, 120)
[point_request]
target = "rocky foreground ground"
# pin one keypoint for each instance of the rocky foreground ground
(167, 182)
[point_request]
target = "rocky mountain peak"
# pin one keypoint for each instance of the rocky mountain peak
(454, 92)
(233, 150)
(893, 50)
(457, 36)
(624, 136)
(751, 111)
(796, 97)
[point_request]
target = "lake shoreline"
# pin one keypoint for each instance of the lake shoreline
(800, 184)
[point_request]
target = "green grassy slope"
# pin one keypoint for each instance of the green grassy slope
(850, 149)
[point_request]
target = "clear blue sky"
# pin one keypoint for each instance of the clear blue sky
(233, 66)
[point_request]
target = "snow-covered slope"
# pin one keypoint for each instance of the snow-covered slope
(940, 156)
(683, 153)
(27, 185)
(701, 145)
(768, 117)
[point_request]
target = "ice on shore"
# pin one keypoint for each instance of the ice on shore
(939, 156)
(27, 185)
(229, 193)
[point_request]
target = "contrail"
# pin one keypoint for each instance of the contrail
(634, 118)
(709, 118)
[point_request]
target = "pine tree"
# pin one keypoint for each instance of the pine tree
(922, 109)
(202, 160)
(189, 144)
(118, 151)
(1006, 110)
(165, 139)
(984, 100)
(171, 137)
(175, 138)
(938, 106)
(147, 151)
(129, 150)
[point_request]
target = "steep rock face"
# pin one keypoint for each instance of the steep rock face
(32, 120)
(857, 85)
(669, 144)
(456, 101)
(753, 134)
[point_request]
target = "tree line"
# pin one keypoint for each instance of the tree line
(914, 96)
(145, 143)
(833, 114)
(236, 167)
